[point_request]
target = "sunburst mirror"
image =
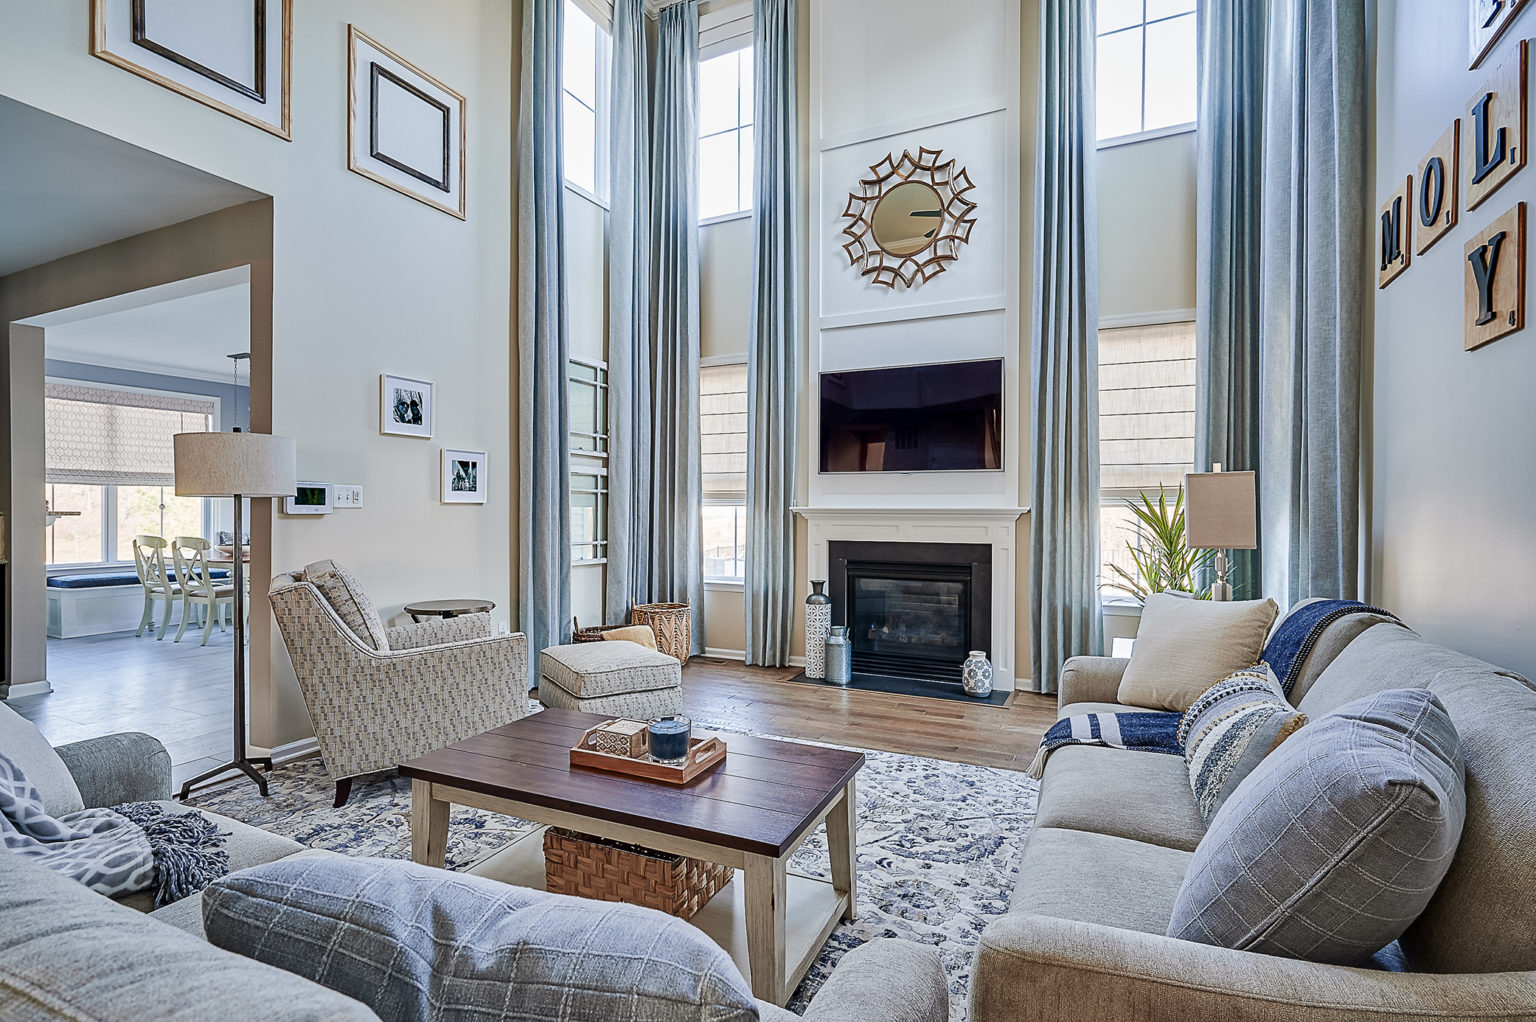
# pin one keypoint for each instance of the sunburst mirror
(909, 218)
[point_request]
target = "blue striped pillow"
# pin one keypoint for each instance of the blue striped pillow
(1229, 730)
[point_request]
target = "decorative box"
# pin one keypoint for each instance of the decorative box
(622, 738)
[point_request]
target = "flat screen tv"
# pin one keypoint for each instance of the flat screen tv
(928, 418)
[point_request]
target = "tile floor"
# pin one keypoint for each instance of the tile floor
(179, 692)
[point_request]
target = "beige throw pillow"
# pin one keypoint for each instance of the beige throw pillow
(1184, 646)
(641, 634)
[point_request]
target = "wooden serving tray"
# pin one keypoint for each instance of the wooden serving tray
(703, 755)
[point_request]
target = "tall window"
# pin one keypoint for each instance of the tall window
(725, 134)
(723, 438)
(1146, 66)
(1146, 424)
(587, 395)
(109, 457)
(587, 51)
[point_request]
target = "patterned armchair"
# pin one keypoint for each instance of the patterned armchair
(380, 697)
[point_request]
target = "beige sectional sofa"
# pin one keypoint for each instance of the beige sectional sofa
(1084, 935)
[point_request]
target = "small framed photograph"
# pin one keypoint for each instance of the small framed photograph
(463, 477)
(405, 129)
(406, 407)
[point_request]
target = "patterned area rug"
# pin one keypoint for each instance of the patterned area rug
(938, 845)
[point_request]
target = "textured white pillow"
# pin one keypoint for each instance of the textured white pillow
(1183, 647)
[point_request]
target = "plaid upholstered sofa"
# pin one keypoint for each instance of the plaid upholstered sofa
(380, 696)
(1084, 934)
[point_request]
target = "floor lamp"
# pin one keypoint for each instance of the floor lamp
(235, 465)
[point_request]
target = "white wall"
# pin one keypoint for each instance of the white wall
(966, 103)
(1453, 470)
(365, 281)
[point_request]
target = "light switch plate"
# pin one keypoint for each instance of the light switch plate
(346, 495)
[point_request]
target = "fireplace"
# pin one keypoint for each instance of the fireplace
(913, 610)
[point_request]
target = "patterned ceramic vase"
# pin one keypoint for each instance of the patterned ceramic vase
(839, 656)
(818, 620)
(976, 675)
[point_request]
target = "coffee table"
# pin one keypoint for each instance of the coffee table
(752, 812)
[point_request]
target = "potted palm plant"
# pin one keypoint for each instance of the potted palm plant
(1161, 558)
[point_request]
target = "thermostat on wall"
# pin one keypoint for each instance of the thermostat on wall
(309, 499)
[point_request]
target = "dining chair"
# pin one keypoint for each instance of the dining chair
(199, 588)
(149, 562)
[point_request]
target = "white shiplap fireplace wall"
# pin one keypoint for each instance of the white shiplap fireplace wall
(888, 76)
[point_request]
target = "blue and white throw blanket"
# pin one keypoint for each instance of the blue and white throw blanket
(116, 851)
(1148, 731)
(1287, 650)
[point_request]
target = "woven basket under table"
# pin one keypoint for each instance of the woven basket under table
(593, 867)
(673, 625)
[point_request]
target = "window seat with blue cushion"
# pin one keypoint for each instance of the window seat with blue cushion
(100, 579)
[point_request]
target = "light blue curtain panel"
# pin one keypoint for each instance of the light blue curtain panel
(677, 568)
(1312, 234)
(1064, 347)
(545, 524)
(629, 318)
(773, 340)
(1228, 145)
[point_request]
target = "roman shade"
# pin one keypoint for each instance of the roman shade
(97, 436)
(723, 430)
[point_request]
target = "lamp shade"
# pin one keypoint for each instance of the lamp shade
(1220, 511)
(225, 464)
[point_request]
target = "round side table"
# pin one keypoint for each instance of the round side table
(447, 608)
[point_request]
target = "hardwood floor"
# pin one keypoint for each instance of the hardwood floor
(767, 702)
(180, 693)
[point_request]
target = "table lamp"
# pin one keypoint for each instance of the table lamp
(237, 465)
(1220, 514)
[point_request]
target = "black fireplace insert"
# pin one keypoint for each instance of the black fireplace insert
(913, 610)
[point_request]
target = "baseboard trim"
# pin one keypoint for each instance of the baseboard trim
(292, 750)
(741, 654)
(28, 688)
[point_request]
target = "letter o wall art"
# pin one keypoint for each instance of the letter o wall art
(231, 55)
(405, 129)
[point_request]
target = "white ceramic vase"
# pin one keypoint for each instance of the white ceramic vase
(976, 675)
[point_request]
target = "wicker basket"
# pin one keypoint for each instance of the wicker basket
(593, 867)
(593, 634)
(673, 625)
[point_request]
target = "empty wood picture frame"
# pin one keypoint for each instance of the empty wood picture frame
(406, 407)
(464, 480)
(232, 55)
(405, 129)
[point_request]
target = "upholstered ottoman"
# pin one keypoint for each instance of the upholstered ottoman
(619, 678)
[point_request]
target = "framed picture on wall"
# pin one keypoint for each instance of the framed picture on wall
(231, 55)
(464, 478)
(405, 129)
(406, 407)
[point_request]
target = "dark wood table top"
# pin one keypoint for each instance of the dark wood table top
(448, 608)
(761, 800)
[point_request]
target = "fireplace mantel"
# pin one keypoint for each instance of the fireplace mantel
(994, 526)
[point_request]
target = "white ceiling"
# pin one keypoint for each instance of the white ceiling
(65, 188)
(188, 328)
